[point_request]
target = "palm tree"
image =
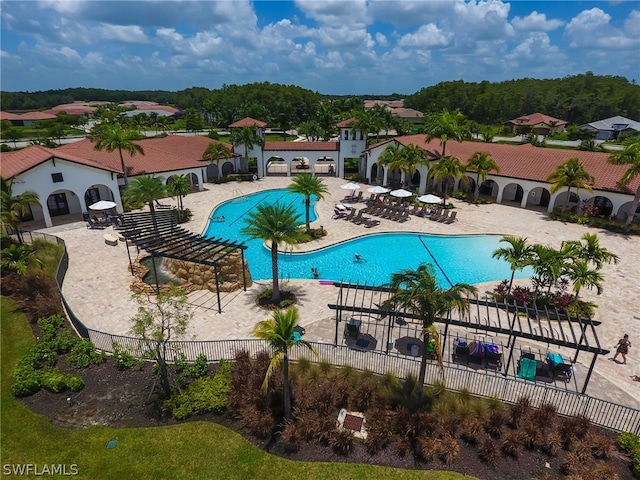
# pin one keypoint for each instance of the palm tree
(582, 276)
(276, 224)
(446, 126)
(570, 174)
(215, 152)
(247, 136)
(549, 264)
(482, 163)
(12, 207)
(18, 258)
(308, 184)
(589, 249)
(410, 157)
(281, 334)
(391, 157)
(418, 292)
(629, 156)
(365, 123)
(517, 254)
(179, 187)
(146, 189)
(116, 137)
(444, 169)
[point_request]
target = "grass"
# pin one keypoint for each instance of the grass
(190, 450)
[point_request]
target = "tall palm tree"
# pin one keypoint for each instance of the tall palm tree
(588, 249)
(443, 170)
(12, 207)
(629, 156)
(570, 174)
(112, 137)
(308, 184)
(280, 333)
(549, 264)
(215, 152)
(410, 157)
(482, 164)
(391, 157)
(446, 126)
(247, 136)
(418, 292)
(276, 224)
(581, 275)
(517, 254)
(178, 188)
(365, 123)
(146, 189)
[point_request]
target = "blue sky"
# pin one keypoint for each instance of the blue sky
(365, 47)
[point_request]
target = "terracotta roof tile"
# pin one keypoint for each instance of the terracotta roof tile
(346, 123)
(302, 146)
(536, 119)
(248, 122)
(529, 162)
(9, 116)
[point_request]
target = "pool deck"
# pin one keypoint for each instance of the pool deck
(97, 282)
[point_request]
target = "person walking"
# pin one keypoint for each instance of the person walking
(623, 348)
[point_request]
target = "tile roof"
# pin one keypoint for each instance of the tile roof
(302, 146)
(406, 113)
(20, 161)
(528, 162)
(608, 123)
(9, 116)
(37, 116)
(173, 152)
(346, 123)
(536, 119)
(73, 107)
(248, 122)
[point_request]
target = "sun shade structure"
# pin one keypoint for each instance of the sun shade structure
(102, 205)
(548, 326)
(429, 198)
(401, 193)
(163, 238)
(377, 189)
(350, 186)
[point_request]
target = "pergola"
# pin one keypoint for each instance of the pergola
(160, 235)
(548, 325)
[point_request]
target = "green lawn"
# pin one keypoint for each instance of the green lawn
(189, 451)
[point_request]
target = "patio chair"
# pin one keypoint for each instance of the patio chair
(358, 218)
(451, 218)
(403, 216)
(443, 217)
(352, 328)
(359, 197)
(350, 215)
(370, 222)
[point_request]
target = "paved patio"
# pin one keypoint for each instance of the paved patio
(97, 283)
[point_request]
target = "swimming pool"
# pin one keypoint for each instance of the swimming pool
(456, 258)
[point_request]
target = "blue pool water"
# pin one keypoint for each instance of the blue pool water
(456, 258)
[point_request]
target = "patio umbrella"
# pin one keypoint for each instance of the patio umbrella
(377, 189)
(402, 193)
(350, 186)
(102, 205)
(430, 199)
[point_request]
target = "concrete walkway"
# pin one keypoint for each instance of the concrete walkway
(97, 283)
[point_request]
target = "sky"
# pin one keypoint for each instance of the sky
(341, 47)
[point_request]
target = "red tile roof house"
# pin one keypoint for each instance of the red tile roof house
(70, 178)
(26, 119)
(538, 123)
(522, 178)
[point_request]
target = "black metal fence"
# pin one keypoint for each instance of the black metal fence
(601, 412)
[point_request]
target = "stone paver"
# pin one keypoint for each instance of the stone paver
(97, 283)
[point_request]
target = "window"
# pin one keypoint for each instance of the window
(57, 177)
(354, 149)
(346, 134)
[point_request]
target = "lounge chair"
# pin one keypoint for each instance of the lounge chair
(370, 222)
(350, 215)
(451, 218)
(403, 217)
(352, 328)
(358, 198)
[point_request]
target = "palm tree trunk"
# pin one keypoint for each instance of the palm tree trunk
(423, 366)
(476, 193)
(275, 294)
(287, 389)
(124, 168)
(307, 204)
(513, 274)
(634, 207)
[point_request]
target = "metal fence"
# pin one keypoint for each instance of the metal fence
(601, 412)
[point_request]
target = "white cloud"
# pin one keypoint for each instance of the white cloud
(536, 22)
(335, 13)
(381, 39)
(592, 29)
(426, 36)
(125, 34)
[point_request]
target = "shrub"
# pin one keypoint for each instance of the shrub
(203, 395)
(291, 437)
(74, 382)
(630, 443)
(428, 448)
(489, 451)
(64, 341)
(449, 449)
(54, 381)
(41, 355)
(26, 381)
(472, 431)
(123, 359)
(49, 327)
(341, 441)
(196, 369)
(552, 443)
(571, 464)
(84, 353)
(512, 444)
(601, 446)
(495, 424)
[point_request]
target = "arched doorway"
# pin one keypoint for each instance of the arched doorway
(489, 188)
(227, 169)
(95, 193)
(193, 179)
(374, 173)
(598, 206)
(415, 179)
(63, 202)
(513, 192)
(276, 166)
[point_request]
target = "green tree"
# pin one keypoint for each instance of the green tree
(112, 137)
(159, 322)
(248, 137)
(517, 254)
(570, 174)
(482, 164)
(446, 126)
(629, 156)
(410, 157)
(146, 189)
(326, 118)
(549, 264)
(445, 169)
(17, 258)
(13, 207)
(418, 292)
(215, 152)
(391, 157)
(308, 184)
(277, 224)
(280, 333)
(588, 248)
(179, 188)
(579, 273)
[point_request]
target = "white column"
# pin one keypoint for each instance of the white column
(525, 197)
(499, 196)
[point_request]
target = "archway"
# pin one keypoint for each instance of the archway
(489, 188)
(227, 168)
(415, 179)
(374, 173)
(624, 210)
(567, 200)
(97, 192)
(193, 179)
(468, 187)
(513, 192)
(212, 172)
(598, 206)
(325, 166)
(63, 204)
(276, 166)
(539, 196)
